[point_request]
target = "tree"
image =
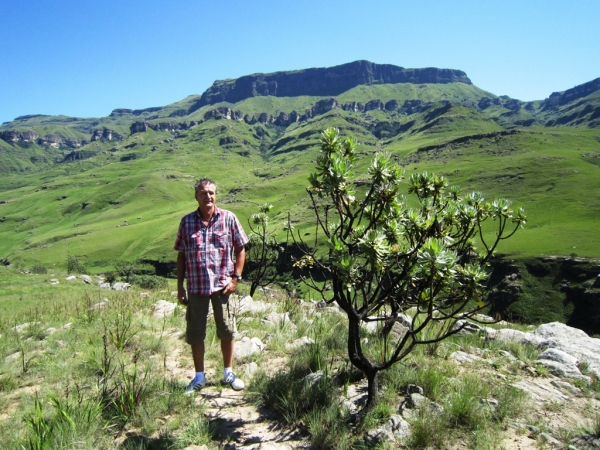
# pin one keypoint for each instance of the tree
(385, 259)
(263, 250)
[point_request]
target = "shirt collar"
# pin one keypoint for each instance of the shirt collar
(216, 214)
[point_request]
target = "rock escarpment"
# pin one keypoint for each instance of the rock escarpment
(562, 98)
(322, 81)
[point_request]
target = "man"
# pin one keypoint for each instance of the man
(207, 241)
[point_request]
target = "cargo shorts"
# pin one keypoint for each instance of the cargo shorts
(197, 313)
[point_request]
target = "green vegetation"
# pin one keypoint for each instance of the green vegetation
(386, 259)
(96, 368)
(121, 199)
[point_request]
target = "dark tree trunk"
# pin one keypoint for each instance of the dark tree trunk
(363, 364)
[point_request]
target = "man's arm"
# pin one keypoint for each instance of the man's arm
(181, 294)
(240, 259)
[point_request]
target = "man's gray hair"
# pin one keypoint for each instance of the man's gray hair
(202, 181)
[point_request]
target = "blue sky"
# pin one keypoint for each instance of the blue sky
(85, 58)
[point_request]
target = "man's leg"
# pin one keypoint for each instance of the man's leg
(197, 310)
(227, 350)
(225, 331)
(198, 356)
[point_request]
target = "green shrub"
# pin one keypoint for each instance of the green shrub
(149, 281)
(75, 265)
(39, 269)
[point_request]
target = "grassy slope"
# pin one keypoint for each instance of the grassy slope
(105, 208)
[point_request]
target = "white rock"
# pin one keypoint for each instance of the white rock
(463, 357)
(302, 342)
(71, 278)
(86, 279)
(247, 346)
(163, 308)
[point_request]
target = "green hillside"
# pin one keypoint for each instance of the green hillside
(121, 194)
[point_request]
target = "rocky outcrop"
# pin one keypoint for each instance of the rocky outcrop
(106, 134)
(49, 140)
(561, 98)
(327, 81)
(16, 137)
(566, 289)
(138, 127)
(135, 112)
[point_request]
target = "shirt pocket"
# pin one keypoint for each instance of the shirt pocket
(221, 239)
(196, 241)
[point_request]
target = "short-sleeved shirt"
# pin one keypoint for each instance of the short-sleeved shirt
(209, 250)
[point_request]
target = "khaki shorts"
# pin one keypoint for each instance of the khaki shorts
(197, 312)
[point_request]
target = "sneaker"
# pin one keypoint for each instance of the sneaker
(233, 381)
(194, 386)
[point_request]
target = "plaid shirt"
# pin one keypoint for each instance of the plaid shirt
(209, 250)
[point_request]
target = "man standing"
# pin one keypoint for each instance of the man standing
(207, 241)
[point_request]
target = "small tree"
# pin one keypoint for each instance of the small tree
(263, 250)
(384, 258)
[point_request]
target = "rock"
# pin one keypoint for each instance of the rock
(71, 278)
(417, 401)
(396, 429)
(104, 285)
(313, 378)
(586, 442)
(251, 369)
(279, 319)
(302, 342)
(573, 342)
(550, 442)
(463, 357)
(565, 386)
(405, 320)
(100, 305)
(163, 308)
(86, 279)
(370, 327)
(414, 389)
(121, 286)
(54, 281)
(246, 347)
(248, 305)
(467, 327)
(20, 328)
(563, 370)
(330, 81)
(491, 403)
(542, 390)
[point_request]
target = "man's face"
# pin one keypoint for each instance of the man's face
(206, 195)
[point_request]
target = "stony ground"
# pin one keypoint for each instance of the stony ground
(556, 408)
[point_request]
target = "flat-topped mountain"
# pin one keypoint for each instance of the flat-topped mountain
(323, 81)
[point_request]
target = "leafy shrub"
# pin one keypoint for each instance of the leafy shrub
(149, 281)
(75, 265)
(39, 269)
(110, 277)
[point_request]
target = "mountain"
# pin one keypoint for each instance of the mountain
(320, 82)
(68, 182)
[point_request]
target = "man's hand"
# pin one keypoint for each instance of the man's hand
(231, 287)
(182, 296)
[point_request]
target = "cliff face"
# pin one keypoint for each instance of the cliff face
(322, 81)
(562, 98)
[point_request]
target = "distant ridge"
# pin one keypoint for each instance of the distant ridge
(322, 81)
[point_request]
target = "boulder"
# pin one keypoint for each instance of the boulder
(163, 308)
(247, 346)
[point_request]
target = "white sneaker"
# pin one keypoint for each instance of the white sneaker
(194, 386)
(233, 381)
